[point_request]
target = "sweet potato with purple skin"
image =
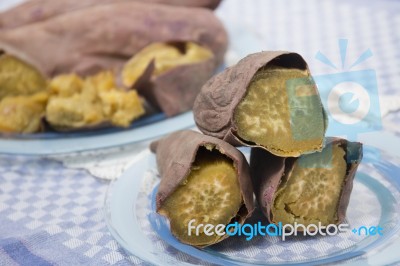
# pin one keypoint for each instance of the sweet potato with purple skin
(105, 37)
(175, 91)
(173, 77)
(37, 10)
(202, 178)
(267, 100)
(310, 189)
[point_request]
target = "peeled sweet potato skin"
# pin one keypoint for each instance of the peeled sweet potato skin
(38, 10)
(105, 37)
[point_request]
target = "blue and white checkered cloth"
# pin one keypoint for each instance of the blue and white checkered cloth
(52, 215)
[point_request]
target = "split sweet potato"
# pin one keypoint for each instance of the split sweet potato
(23, 96)
(164, 52)
(93, 102)
(106, 37)
(311, 189)
(169, 75)
(38, 10)
(22, 114)
(266, 100)
(202, 179)
(18, 78)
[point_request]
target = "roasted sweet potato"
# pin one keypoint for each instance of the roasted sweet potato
(267, 100)
(202, 179)
(169, 75)
(106, 37)
(311, 189)
(22, 114)
(23, 96)
(165, 52)
(18, 78)
(96, 101)
(37, 10)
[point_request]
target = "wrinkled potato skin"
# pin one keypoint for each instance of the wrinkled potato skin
(267, 170)
(175, 155)
(37, 10)
(173, 92)
(169, 75)
(72, 43)
(215, 105)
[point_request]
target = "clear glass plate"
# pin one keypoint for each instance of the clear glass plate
(375, 200)
(56, 143)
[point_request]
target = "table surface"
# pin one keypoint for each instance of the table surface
(51, 214)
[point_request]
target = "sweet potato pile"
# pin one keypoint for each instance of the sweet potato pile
(139, 54)
(267, 101)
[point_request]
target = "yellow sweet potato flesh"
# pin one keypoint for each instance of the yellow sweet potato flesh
(22, 114)
(264, 116)
(311, 192)
(209, 195)
(18, 78)
(77, 102)
(166, 56)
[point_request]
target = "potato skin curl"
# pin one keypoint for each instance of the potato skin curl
(105, 37)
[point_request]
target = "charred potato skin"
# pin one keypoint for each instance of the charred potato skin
(267, 171)
(86, 50)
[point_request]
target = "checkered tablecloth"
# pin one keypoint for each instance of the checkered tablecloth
(53, 215)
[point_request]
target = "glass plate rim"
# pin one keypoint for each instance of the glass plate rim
(339, 257)
(79, 143)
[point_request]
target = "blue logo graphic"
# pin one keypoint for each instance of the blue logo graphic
(349, 97)
(348, 102)
(368, 230)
